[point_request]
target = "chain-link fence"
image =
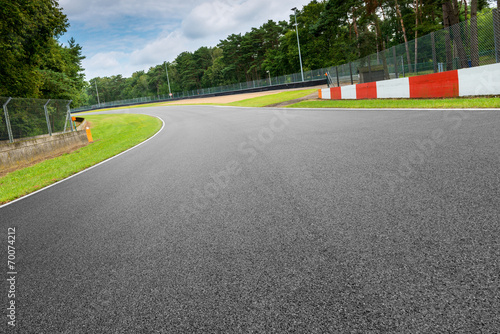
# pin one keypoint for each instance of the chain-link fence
(459, 46)
(23, 118)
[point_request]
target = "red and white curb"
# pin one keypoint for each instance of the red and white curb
(475, 81)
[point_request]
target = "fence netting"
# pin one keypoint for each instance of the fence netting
(21, 118)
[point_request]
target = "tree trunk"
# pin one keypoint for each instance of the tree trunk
(381, 47)
(466, 11)
(451, 20)
(457, 38)
(404, 35)
(416, 36)
(355, 25)
(474, 43)
(446, 22)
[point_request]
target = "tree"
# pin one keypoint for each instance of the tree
(405, 37)
(231, 57)
(213, 75)
(474, 47)
(156, 77)
(187, 74)
(416, 35)
(371, 9)
(61, 73)
(27, 32)
(451, 19)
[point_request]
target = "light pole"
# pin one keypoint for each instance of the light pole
(298, 43)
(168, 81)
(270, 83)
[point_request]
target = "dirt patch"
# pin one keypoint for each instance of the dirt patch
(312, 96)
(4, 172)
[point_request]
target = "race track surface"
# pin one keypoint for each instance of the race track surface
(241, 220)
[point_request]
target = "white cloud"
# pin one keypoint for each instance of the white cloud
(164, 48)
(211, 18)
(107, 64)
(105, 12)
(227, 17)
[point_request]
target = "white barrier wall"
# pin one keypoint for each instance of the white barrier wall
(483, 80)
(349, 92)
(393, 89)
(326, 94)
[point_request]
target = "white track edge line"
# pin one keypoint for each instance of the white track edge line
(87, 169)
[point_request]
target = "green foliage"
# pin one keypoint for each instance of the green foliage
(33, 64)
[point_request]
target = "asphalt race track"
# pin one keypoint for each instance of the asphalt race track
(241, 220)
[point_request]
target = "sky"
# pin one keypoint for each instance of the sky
(126, 36)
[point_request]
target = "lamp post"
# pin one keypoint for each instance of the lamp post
(168, 81)
(270, 83)
(298, 43)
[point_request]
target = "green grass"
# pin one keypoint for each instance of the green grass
(112, 134)
(482, 102)
(266, 100)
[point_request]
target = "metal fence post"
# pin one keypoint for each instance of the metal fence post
(434, 58)
(47, 117)
(395, 62)
(68, 118)
(338, 79)
(350, 71)
(496, 33)
(403, 65)
(7, 120)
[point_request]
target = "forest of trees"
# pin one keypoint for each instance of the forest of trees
(332, 32)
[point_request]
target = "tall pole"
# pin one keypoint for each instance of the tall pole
(298, 42)
(98, 102)
(168, 81)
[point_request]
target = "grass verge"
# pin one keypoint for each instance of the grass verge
(266, 100)
(112, 134)
(459, 103)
